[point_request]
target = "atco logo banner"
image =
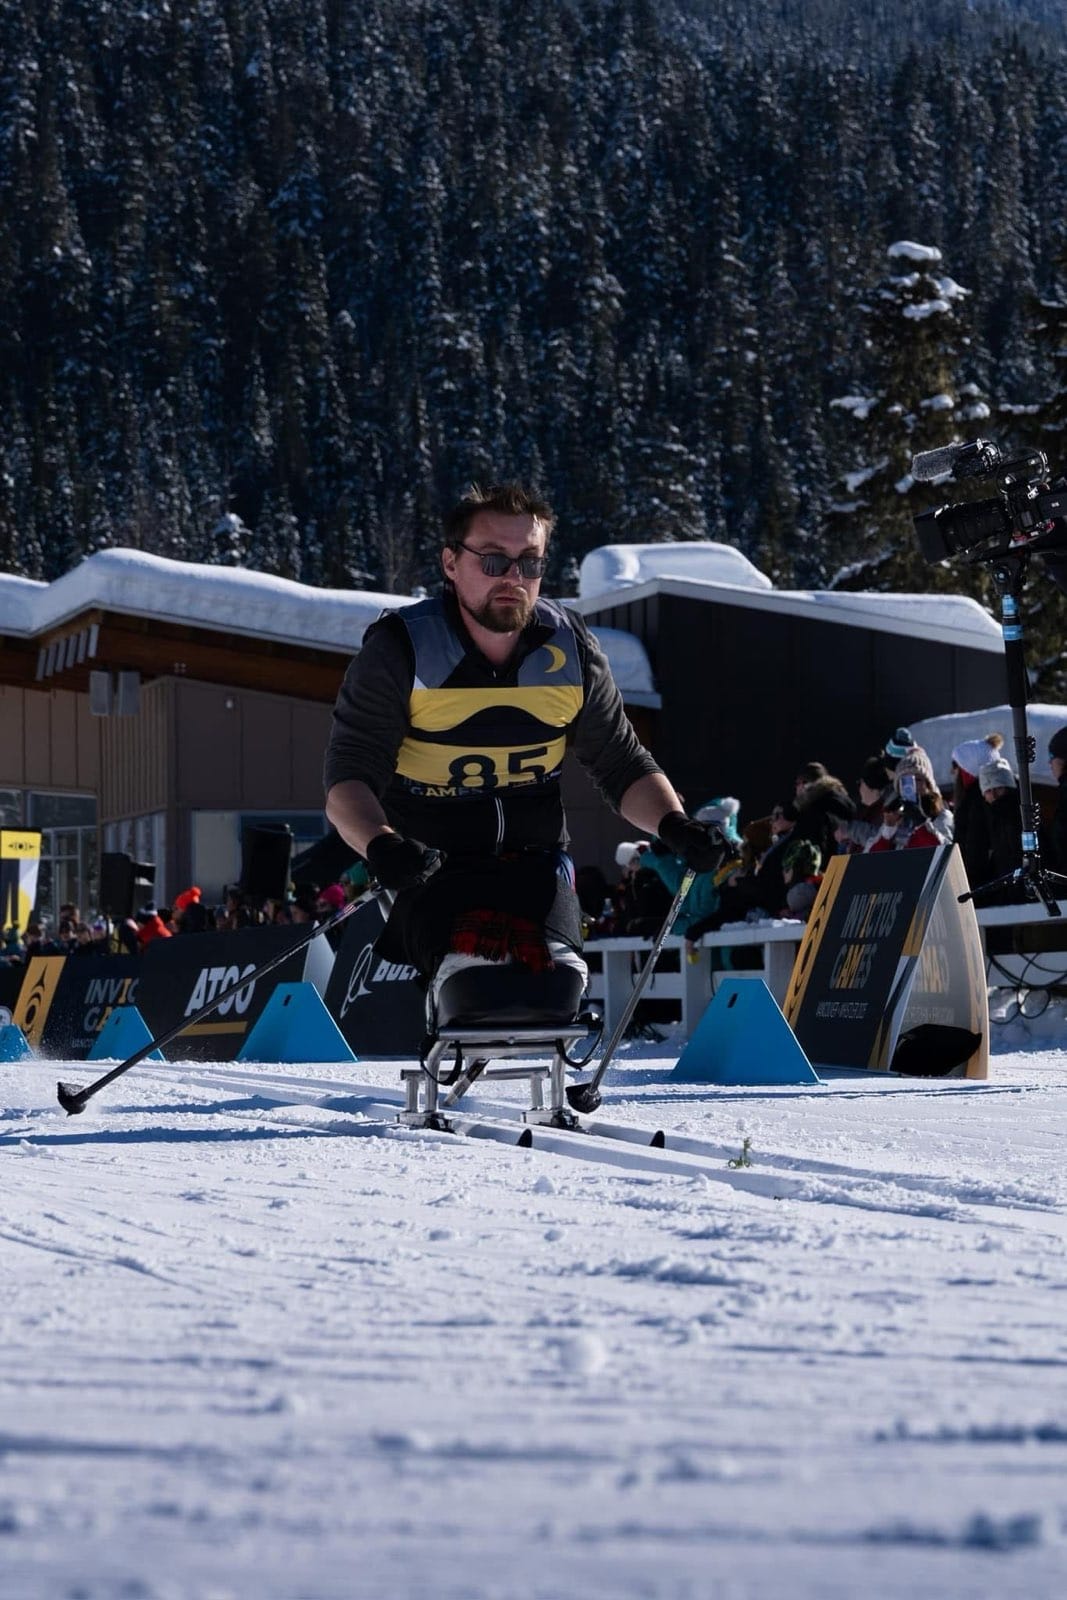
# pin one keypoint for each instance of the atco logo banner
(36, 995)
(89, 987)
(377, 1005)
(180, 976)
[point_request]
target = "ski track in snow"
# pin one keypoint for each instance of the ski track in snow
(261, 1344)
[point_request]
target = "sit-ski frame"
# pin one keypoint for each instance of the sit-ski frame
(474, 1046)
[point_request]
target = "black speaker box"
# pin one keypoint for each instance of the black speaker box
(324, 861)
(266, 851)
(120, 880)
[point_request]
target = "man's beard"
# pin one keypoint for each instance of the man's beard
(511, 620)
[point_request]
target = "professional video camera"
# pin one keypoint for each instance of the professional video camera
(1025, 509)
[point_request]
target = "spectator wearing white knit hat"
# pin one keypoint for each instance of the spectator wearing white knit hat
(1000, 795)
(972, 819)
(640, 900)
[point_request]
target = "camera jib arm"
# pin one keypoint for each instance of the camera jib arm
(1008, 570)
(1003, 533)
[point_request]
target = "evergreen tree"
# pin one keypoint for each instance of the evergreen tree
(916, 343)
(1049, 316)
(330, 262)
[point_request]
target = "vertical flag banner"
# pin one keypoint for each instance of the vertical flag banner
(20, 860)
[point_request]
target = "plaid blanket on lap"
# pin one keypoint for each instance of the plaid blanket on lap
(496, 935)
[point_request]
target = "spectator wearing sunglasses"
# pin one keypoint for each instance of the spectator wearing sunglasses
(448, 738)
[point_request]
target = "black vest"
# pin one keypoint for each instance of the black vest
(479, 766)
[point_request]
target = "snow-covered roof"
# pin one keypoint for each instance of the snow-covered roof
(939, 736)
(629, 664)
(946, 618)
(233, 599)
(908, 250)
(621, 566)
(236, 600)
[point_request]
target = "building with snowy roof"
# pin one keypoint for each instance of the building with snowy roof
(754, 680)
(158, 708)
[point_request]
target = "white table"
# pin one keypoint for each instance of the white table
(692, 984)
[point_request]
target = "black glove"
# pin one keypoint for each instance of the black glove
(701, 845)
(400, 863)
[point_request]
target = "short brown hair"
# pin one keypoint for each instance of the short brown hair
(510, 499)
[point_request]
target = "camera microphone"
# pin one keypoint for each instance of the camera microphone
(972, 459)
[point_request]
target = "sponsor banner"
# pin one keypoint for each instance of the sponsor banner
(377, 1005)
(856, 954)
(88, 990)
(943, 989)
(38, 990)
(179, 976)
(10, 984)
(20, 860)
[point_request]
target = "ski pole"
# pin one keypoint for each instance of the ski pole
(585, 1097)
(73, 1100)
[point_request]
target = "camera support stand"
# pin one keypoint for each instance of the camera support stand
(1008, 569)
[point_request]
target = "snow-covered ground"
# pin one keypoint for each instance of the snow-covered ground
(256, 1350)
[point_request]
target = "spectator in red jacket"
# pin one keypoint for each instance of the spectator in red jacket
(916, 818)
(150, 925)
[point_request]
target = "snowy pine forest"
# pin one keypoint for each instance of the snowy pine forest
(278, 278)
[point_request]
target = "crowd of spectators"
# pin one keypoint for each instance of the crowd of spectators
(777, 861)
(99, 934)
(773, 869)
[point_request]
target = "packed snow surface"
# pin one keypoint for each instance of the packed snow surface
(260, 1343)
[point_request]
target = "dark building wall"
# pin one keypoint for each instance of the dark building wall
(748, 695)
(594, 828)
(48, 740)
(200, 746)
(136, 770)
(237, 749)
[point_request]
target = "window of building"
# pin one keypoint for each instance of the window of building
(306, 827)
(69, 867)
(142, 839)
(10, 808)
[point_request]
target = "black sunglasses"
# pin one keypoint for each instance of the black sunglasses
(495, 563)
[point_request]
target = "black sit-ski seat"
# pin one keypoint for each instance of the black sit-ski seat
(483, 1012)
(509, 996)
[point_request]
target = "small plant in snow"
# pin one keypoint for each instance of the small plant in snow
(745, 1158)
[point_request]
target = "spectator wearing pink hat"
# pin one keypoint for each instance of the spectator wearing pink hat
(330, 900)
(328, 903)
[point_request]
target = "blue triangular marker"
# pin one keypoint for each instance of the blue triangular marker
(124, 1033)
(14, 1045)
(742, 1038)
(295, 1026)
